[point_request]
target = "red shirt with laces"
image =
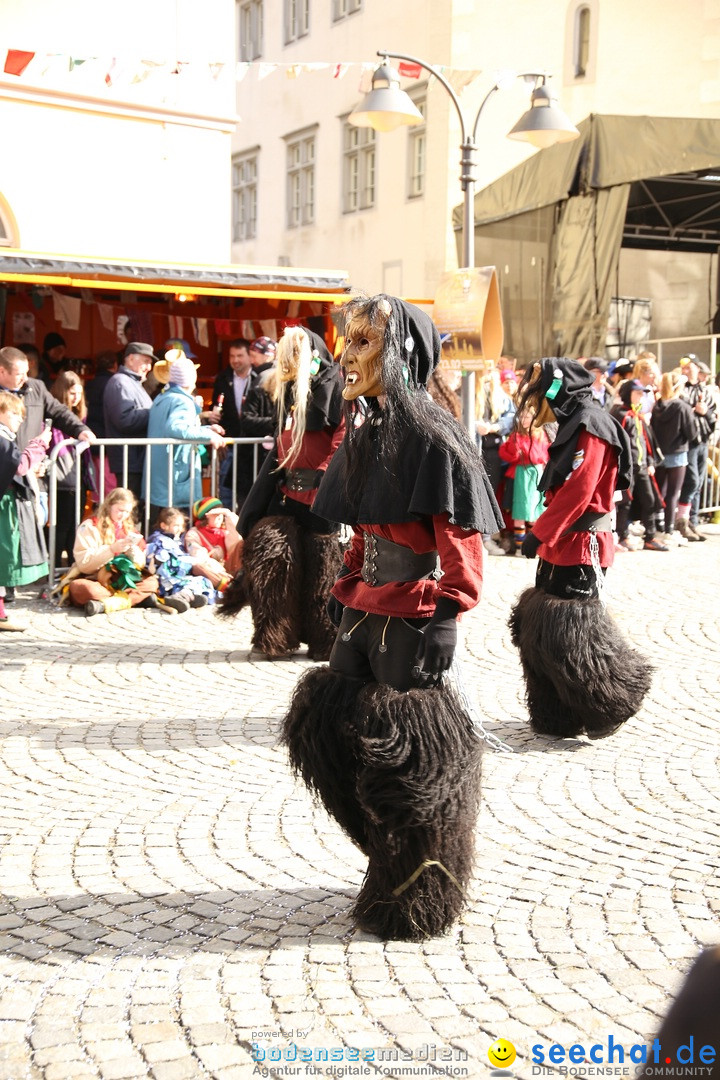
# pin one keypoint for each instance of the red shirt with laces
(316, 451)
(461, 555)
(590, 486)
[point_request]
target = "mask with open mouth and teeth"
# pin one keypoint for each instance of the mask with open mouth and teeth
(362, 357)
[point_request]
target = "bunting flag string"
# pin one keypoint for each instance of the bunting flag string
(112, 70)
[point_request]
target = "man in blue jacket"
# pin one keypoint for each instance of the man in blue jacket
(126, 407)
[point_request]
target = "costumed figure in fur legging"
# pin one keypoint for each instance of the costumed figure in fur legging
(292, 555)
(581, 675)
(380, 736)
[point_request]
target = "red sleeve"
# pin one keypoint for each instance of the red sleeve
(573, 497)
(337, 438)
(510, 450)
(461, 557)
(353, 558)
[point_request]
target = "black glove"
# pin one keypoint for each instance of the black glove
(530, 545)
(333, 607)
(437, 648)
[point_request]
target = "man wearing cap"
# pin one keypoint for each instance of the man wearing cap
(262, 354)
(126, 407)
(600, 388)
(175, 414)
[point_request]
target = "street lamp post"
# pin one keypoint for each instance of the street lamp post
(387, 107)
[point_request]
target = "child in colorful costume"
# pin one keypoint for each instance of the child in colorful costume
(581, 676)
(292, 555)
(173, 567)
(525, 452)
(379, 735)
(213, 542)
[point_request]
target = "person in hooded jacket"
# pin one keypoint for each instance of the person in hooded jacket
(581, 676)
(291, 554)
(381, 735)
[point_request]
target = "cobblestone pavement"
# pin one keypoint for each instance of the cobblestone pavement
(170, 893)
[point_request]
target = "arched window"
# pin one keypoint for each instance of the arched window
(582, 42)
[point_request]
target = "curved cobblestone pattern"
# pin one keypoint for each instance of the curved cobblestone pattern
(170, 893)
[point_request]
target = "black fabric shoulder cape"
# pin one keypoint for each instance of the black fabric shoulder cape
(575, 409)
(425, 480)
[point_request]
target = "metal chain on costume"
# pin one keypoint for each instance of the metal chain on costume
(458, 683)
(595, 562)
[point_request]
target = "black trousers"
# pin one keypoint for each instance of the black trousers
(377, 648)
(641, 508)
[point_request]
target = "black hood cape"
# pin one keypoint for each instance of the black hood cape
(324, 407)
(423, 479)
(575, 408)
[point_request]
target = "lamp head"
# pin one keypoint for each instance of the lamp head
(544, 124)
(386, 106)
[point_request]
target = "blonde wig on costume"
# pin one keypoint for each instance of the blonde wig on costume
(294, 360)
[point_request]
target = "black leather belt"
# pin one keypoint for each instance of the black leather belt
(300, 479)
(592, 521)
(384, 561)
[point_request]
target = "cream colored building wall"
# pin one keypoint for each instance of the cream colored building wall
(138, 170)
(660, 59)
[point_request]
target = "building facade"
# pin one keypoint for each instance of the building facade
(310, 189)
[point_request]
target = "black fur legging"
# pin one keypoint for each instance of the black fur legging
(671, 482)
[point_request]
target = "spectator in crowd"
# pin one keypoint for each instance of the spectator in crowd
(701, 402)
(68, 389)
(600, 389)
(37, 368)
(23, 555)
(646, 372)
(106, 365)
(443, 386)
(54, 349)
(213, 542)
(230, 392)
(126, 410)
(495, 414)
(262, 354)
(168, 560)
(175, 414)
(38, 401)
(673, 425)
(642, 498)
(108, 573)
(618, 372)
(526, 452)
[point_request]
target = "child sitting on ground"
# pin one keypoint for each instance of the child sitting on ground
(214, 542)
(526, 451)
(23, 555)
(173, 567)
(109, 570)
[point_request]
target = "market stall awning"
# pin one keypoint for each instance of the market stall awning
(273, 282)
(557, 222)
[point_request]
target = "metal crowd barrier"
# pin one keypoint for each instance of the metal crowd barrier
(80, 447)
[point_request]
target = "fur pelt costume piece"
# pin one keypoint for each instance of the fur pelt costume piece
(291, 556)
(581, 676)
(378, 736)
(400, 772)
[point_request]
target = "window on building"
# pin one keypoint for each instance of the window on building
(358, 168)
(417, 153)
(250, 26)
(341, 8)
(582, 41)
(297, 19)
(244, 195)
(301, 179)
